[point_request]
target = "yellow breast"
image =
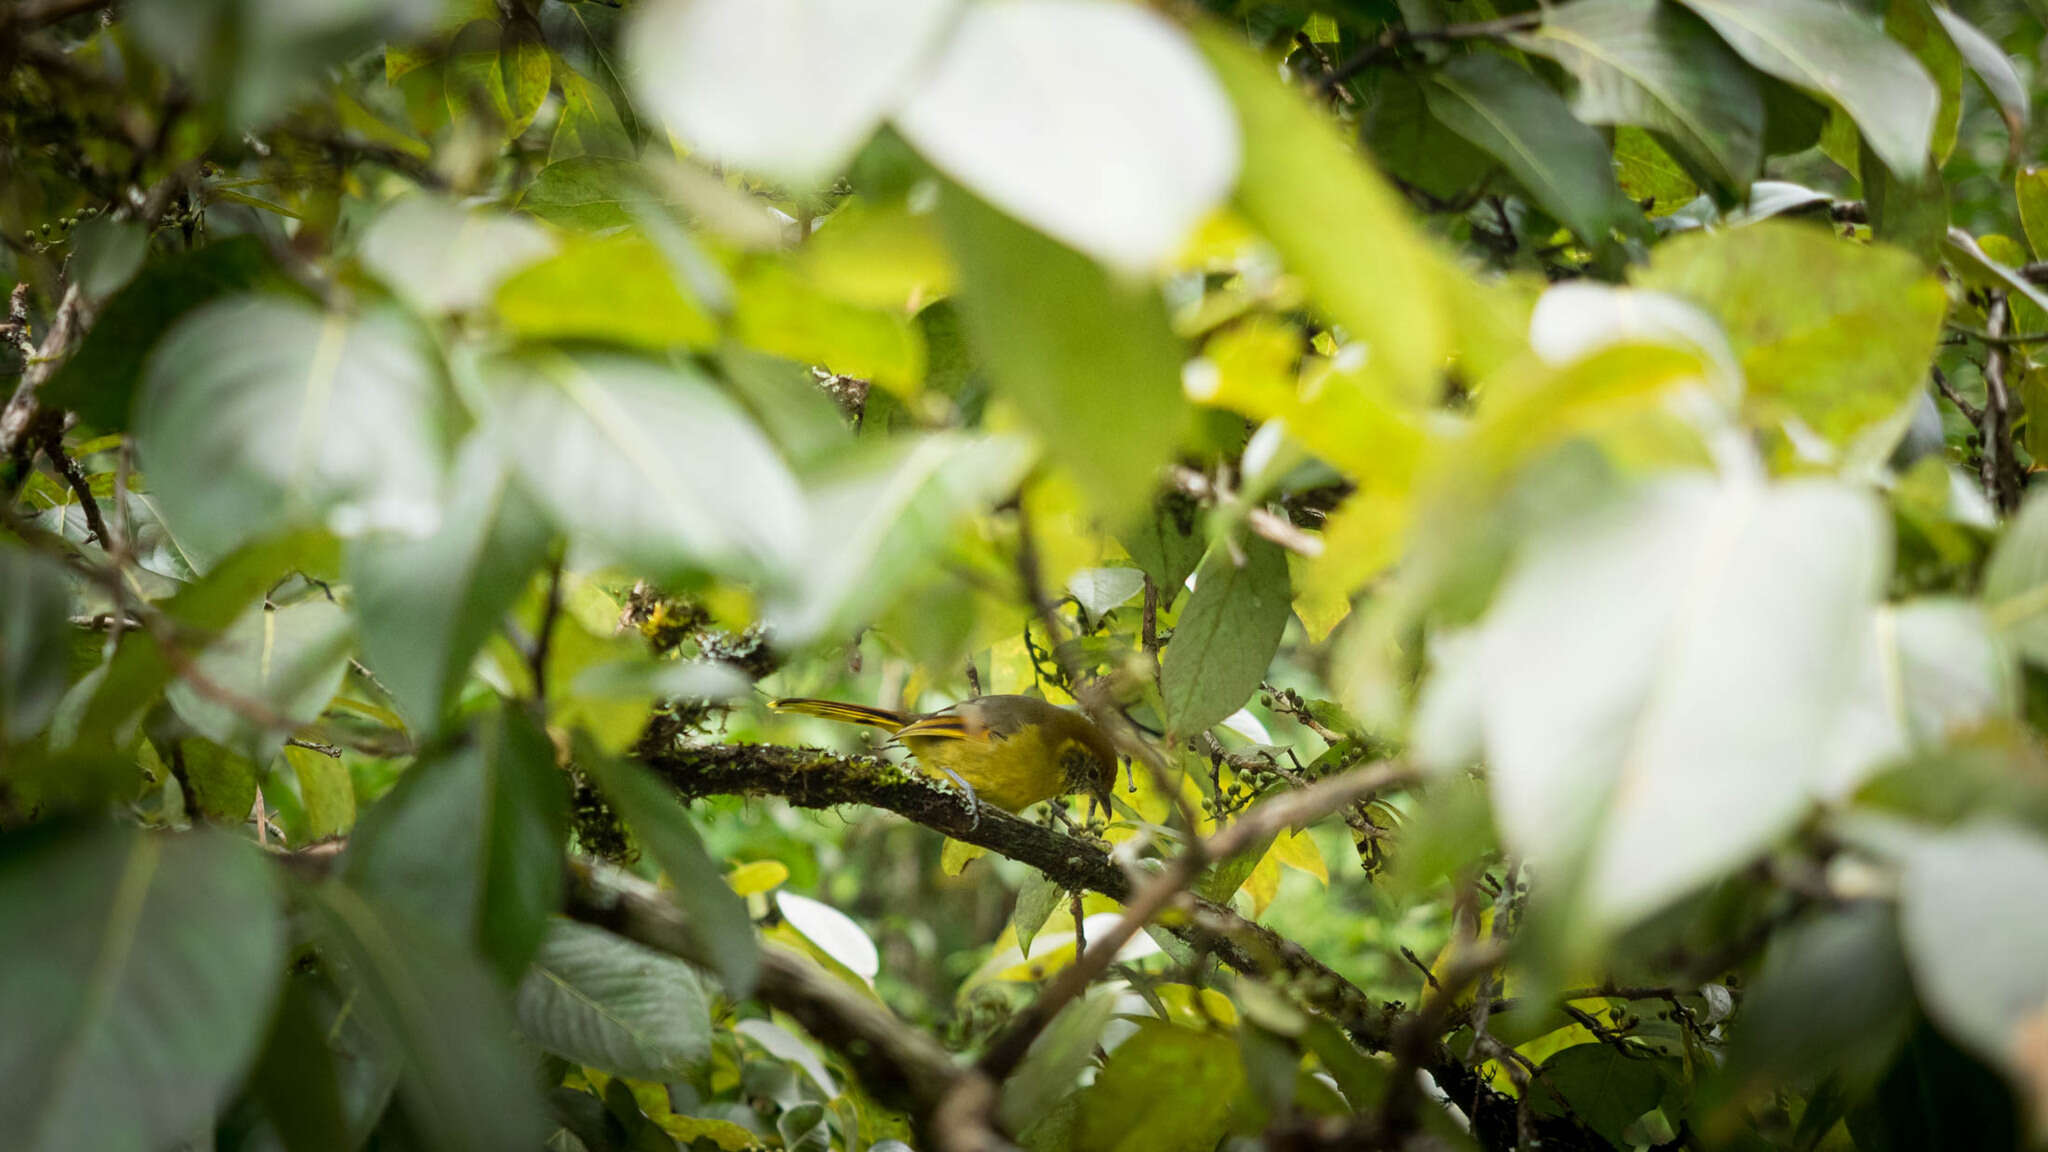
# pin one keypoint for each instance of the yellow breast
(1012, 774)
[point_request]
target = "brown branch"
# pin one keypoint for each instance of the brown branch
(20, 413)
(1392, 38)
(81, 486)
(1998, 465)
(1985, 336)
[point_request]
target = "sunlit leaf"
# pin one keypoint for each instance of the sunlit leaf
(611, 1004)
(1165, 1088)
(617, 288)
(1994, 70)
(146, 961)
(776, 311)
(445, 259)
(832, 931)
(1027, 94)
(1665, 735)
(287, 661)
(840, 69)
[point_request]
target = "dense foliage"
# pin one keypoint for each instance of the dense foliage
(1537, 493)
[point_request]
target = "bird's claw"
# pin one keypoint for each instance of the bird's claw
(967, 793)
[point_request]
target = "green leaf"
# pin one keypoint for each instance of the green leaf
(326, 794)
(100, 379)
(893, 513)
(2030, 189)
(464, 1088)
(471, 841)
(586, 193)
(1657, 673)
(223, 784)
(777, 311)
(106, 254)
(611, 1004)
(1647, 172)
(1912, 215)
(1036, 899)
(1336, 223)
(1051, 1070)
(717, 919)
(426, 605)
(35, 640)
(644, 463)
(288, 660)
(693, 66)
(139, 975)
(615, 288)
(1834, 334)
(443, 258)
(1913, 24)
(1934, 673)
(2016, 581)
(1605, 1089)
(261, 413)
(1829, 50)
(1165, 1089)
(1226, 636)
(1411, 145)
(1038, 107)
(1086, 357)
(1972, 947)
(1657, 66)
(1977, 268)
(1994, 70)
(1167, 544)
(525, 69)
(1563, 164)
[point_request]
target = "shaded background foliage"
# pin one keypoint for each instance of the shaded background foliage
(1540, 489)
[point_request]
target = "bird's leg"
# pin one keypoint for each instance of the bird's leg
(973, 801)
(1063, 818)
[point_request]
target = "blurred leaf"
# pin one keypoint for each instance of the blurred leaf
(99, 380)
(1411, 145)
(843, 68)
(1605, 1089)
(1995, 71)
(1935, 1095)
(757, 876)
(1972, 948)
(35, 639)
(1831, 999)
(616, 288)
(878, 255)
(426, 605)
(1337, 224)
(1656, 66)
(140, 971)
(1226, 635)
(325, 792)
(1622, 737)
(1101, 590)
(1166, 543)
(1934, 672)
(1832, 51)
(1836, 335)
(443, 258)
(2016, 582)
(2030, 189)
(295, 1077)
(609, 1003)
(525, 69)
(106, 253)
(223, 785)
(778, 312)
(1913, 215)
(586, 193)
(1051, 1070)
(1086, 357)
(288, 660)
(717, 919)
(463, 1087)
(1561, 162)
(1026, 97)
(471, 841)
(644, 463)
(1971, 263)
(894, 513)
(833, 931)
(1165, 1089)
(262, 412)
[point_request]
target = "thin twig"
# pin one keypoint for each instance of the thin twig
(1273, 528)
(1970, 411)
(543, 637)
(81, 486)
(1392, 38)
(1985, 336)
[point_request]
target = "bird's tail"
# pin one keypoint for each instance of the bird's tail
(844, 713)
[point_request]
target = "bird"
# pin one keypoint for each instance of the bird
(1011, 751)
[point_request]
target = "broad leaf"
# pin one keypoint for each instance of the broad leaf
(1994, 70)
(1827, 49)
(425, 606)
(261, 413)
(611, 1004)
(644, 463)
(1086, 357)
(1226, 635)
(1095, 123)
(445, 259)
(471, 841)
(35, 602)
(1559, 161)
(464, 1088)
(620, 289)
(2016, 582)
(141, 972)
(1975, 950)
(286, 660)
(1655, 65)
(1658, 673)
(777, 311)
(840, 68)
(832, 931)
(1932, 672)
(717, 919)
(1831, 998)
(589, 193)
(1835, 335)
(1164, 1089)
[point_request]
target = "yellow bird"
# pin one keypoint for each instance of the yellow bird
(1011, 751)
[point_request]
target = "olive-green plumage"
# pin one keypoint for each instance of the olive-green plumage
(1010, 751)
